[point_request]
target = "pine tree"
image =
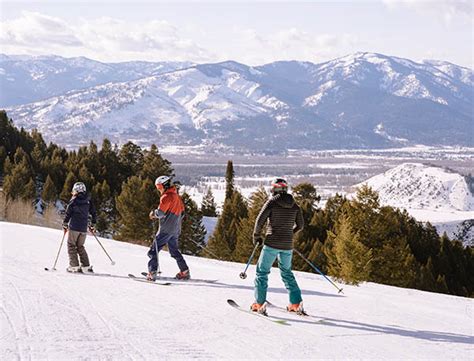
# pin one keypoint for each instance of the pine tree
(19, 183)
(67, 188)
(154, 165)
(353, 257)
(130, 159)
(317, 256)
(102, 198)
(244, 245)
(223, 241)
(427, 278)
(229, 179)
(134, 204)
(307, 198)
(3, 157)
(208, 206)
(29, 192)
(441, 285)
(109, 167)
(49, 193)
(86, 177)
(7, 166)
(193, 232)
(39, 152)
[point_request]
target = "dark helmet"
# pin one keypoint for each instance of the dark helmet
(279, 185)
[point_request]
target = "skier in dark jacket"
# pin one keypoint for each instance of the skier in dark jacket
(170, 212)
(282, 213)
(76, 222)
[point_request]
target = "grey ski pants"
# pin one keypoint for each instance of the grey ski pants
(75, 246)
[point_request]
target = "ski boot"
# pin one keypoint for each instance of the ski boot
(259, 308)
(74, 269)
(297, 308)
(183, 275)
(151, 276)
(87, 269)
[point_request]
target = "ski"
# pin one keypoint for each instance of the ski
(266, 317)
(92, 274)
(198, 280)
(304, 314)
(81, 273)
(140, 279)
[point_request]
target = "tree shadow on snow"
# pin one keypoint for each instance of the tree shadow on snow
(434, 336)
(251, 288)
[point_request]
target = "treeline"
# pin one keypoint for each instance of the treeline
(352, 240)
(120, 181)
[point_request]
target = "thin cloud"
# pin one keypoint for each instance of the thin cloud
(289, 44)
(448, 10)
(103, 38)
(32, 29)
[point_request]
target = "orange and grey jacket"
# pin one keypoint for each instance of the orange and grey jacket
(170, 212)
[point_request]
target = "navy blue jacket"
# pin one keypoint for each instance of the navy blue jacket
(77, 213)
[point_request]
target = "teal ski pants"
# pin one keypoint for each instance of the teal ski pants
(264, 265)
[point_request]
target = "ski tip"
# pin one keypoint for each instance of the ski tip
(232, 302)
(131, 275)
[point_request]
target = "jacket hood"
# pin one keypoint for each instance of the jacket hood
(81, 198)
(284, 200)
(171, 189)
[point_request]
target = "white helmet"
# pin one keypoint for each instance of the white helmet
(163, 180)
(79, 187)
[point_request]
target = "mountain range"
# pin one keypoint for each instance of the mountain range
(363, 100)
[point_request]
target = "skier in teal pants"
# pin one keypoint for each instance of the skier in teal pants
(282, 214)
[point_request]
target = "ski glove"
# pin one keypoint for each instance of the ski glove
(258, 240)
(152, 215)
(65, 227)
(92, 227)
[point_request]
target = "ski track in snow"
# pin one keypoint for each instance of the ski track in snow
(60, 316)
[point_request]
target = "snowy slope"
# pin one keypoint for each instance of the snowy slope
(63, 316)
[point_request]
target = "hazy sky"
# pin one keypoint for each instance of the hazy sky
(252, 32)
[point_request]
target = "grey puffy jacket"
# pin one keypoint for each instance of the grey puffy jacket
(283, 213)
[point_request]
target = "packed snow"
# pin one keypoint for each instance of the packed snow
(56, 315)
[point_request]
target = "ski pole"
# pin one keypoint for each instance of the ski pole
(317, 269)
(205, 249)
(93, 233)
(59, 251)
(243, 275)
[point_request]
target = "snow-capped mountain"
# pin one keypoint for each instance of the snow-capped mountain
(26, 79)
(419, 186)
(361, 100)
(61, 316)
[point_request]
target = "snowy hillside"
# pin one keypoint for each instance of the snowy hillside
(419, 186)
(26, 79)
(361, 100)
(64, 316)
(429, 194)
